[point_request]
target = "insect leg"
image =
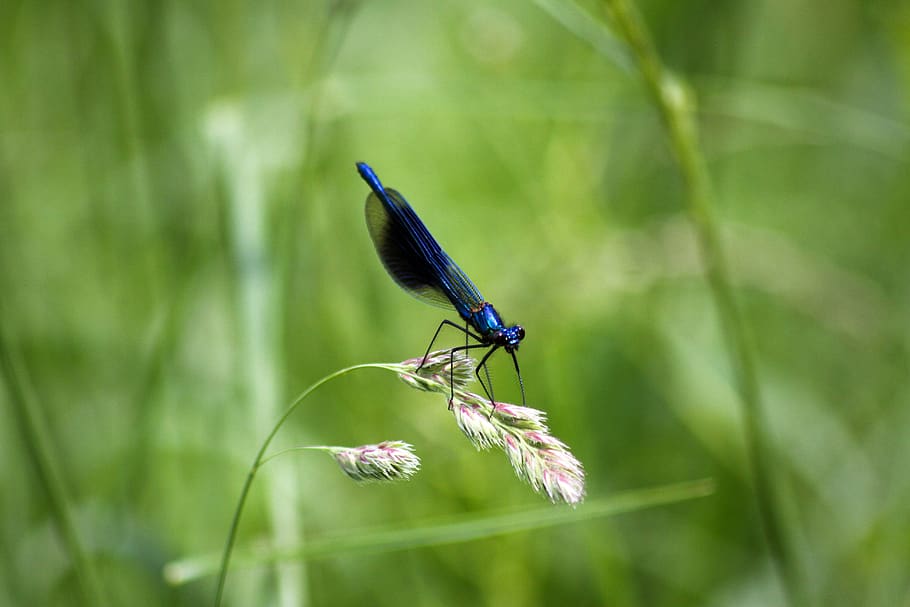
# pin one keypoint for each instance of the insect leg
(489, 393)
(451, 362)
(435, 335)
(521, 382)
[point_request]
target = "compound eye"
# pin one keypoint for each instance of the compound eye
(521, 331)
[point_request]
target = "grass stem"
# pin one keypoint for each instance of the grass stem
(260, 459)
(459, 529)
(37, 439)
(676, 104)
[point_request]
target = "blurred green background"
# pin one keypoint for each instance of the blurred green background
(183, 251)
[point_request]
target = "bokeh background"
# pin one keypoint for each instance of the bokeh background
(183, 251)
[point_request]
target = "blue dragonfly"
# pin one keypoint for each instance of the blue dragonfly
(414, 259)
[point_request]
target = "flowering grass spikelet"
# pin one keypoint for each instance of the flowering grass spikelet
(440, 368)
(518, 416)
(539, 458)
(477, 425)
(386, 461)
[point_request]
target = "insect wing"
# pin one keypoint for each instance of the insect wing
(414, 258)
(405, 259)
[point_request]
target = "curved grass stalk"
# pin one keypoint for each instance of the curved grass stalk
(545, 462)
(455, 530)
(37, 440)
(260, 459)
(676, 105)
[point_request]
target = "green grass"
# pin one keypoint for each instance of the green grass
(183, 251)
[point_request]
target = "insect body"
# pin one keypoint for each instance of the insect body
(418, 264)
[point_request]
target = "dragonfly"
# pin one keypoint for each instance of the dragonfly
(415, 261)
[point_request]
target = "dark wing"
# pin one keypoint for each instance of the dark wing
(412, 256)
